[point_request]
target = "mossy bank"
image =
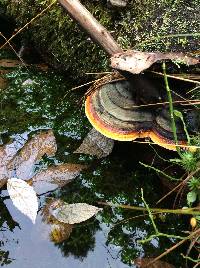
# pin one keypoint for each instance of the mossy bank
(147, 25)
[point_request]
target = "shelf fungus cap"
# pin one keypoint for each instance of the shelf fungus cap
(111, 109)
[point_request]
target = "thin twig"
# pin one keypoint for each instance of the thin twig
(183, 146)
(183, 102)
(177, 77)
(28, 23)
(188, 211)
(171, 109)
(22, 61)
(197, 232)
(180, 184)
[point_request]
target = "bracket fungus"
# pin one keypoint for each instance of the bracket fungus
(114, 110)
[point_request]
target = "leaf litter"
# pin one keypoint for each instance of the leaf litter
(53, 229)
(55, 176)
(72, 213)
(33, 150)
(23, 197)
(96, 144)
(21, 161)
(7, 152)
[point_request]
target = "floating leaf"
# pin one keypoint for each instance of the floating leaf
(144, 262)
(72, 213)
(57, 231)
(23, 197)
(54, 177)
(136, 61)
(96, 144)
(34, 149)
(7, 152)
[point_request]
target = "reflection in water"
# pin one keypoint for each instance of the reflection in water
(112, 238)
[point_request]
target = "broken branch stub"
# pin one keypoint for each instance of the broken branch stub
(136, 61)
(132, 61)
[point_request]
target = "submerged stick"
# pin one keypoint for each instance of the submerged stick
(97, 32)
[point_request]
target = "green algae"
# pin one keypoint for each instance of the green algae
(162, 25)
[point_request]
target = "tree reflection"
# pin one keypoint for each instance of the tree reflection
(6, 224)
(117, 180)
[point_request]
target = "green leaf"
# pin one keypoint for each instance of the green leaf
(178, 114)
(191, 197)
(197, 218)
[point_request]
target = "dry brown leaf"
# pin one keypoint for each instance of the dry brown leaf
(56, 231)
(56, 176)
(136, 61)
(96, 144)
(42, 67)
(7, 152)
(33, 150)
(143, 262)
(3, 83)
(3, 80)
(9, 63)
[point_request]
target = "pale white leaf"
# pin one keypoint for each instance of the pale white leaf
(23, 197)
(73, 213)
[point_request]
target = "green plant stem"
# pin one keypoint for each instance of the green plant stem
(193, 234)
(189, 258)
(188, 211)
(150, 214)
(171, 109)
(186, 132)
(143, 241)
(159, 171)
(179, 114)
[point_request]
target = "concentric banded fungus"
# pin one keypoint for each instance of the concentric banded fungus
(111, 110)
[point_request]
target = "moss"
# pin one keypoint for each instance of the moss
(148, 21)
(141, 25)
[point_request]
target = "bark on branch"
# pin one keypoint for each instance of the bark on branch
(97, 32)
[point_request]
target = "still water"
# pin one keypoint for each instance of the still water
(36, 101)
